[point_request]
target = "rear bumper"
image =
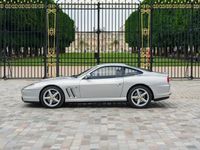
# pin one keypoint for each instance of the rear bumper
(161, 91)
(160, 99)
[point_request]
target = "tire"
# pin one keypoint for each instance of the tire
(139, 96)
(52, 97)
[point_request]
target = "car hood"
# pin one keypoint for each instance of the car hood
(59, 80)
(52, 81)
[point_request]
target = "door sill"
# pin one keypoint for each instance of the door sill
(95, 99)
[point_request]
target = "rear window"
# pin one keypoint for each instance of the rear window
(131, 71)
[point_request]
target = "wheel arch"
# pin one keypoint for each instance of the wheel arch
(141, 85)
(51, 85)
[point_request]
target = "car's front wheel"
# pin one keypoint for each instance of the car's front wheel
(139, 96)
(52, 97)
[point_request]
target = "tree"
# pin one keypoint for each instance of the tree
(171, 27)
(26, 29)
(132, 29)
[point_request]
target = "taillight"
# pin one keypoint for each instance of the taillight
(168, 79)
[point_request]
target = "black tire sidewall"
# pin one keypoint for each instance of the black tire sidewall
(56, 88)
(129, 96)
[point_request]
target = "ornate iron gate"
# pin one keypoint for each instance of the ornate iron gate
(39, 39)
(171, 32)
(99, 36)
(23, 34)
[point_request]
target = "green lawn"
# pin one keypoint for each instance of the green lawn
(77, 59)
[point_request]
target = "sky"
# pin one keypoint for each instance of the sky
(110, 19)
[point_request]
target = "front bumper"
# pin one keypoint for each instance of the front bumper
(30, 95)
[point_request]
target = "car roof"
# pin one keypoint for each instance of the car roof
(113, 64)
(122, 65)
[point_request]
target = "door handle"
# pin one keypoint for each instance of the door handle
(119, 84)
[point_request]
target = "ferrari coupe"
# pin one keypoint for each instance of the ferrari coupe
(105, 82)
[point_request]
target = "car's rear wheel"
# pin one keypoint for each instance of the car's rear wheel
(139, 96)
(52, 97)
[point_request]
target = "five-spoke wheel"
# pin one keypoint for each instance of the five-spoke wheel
(139, 96)
(52, 97)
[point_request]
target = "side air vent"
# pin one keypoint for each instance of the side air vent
(67, 93)
(70, 93)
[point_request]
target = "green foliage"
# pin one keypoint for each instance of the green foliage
(27, 28)
(170, 27)
(132, 29)
(66, 29)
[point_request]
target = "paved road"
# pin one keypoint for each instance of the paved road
(170, 124)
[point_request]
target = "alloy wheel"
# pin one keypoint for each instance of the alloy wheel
(52, 97)
(140, 97)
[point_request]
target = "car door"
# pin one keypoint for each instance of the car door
(105, 82)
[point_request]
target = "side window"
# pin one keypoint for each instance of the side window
(130, 72)
(107, 72)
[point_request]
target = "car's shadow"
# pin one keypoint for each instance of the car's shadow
(163, 105)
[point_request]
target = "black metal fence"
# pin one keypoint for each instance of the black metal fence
(39, 39)
(99, 36)
(22, 34)
(175, 39)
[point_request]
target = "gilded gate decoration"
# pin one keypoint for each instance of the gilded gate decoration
(22, 4)
(50, 69)
(146, 11)
(51, 26)
(145, 36)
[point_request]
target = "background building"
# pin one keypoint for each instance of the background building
(109, 41)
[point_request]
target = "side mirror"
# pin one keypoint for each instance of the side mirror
(87, 76)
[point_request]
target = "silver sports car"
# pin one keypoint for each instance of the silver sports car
(105, 82)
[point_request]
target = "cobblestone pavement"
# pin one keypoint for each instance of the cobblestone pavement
(170, 124)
